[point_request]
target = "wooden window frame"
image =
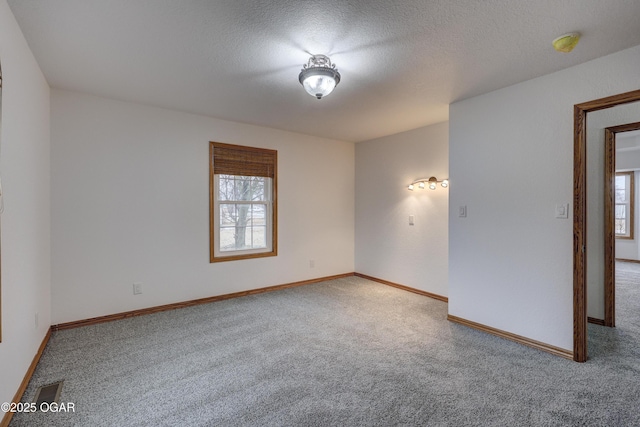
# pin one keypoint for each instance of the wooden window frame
(238, 166)
(631, 202)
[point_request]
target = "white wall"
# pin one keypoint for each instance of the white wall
(130, 203)
(24, 167)
(511, 162)
(387, 247)
(627, 160)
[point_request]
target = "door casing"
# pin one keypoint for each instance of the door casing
(580, 112)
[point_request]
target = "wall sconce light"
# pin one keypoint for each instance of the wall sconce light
(431, 182)
(319, 76)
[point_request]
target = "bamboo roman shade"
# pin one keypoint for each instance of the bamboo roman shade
(244, 161)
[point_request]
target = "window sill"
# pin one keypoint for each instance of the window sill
(242, 256)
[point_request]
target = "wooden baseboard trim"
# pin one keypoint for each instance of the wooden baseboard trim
(174, 306)
(595, 321)
(628, 260)
(557, 351)
(27, 377)
(403, 287)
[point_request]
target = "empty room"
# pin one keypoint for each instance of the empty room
(319, 213)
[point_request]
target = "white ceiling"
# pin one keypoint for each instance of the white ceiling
(628, 141)
(402, 62)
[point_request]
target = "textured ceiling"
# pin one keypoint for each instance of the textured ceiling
(402, 63)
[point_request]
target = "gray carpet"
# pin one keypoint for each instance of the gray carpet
(347, 352)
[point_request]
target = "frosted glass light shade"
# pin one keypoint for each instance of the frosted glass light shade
(318, 85)
(319, 76)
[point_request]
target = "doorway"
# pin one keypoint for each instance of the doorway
(615, 224)
(580, 215)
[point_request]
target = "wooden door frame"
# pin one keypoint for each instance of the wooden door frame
(580, 213)
(0, 221)
(609, 219)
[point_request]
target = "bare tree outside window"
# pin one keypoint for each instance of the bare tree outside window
(242, 212)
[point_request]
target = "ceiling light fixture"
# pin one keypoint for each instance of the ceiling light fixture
(566, 42)
(319, 76)
(432, 183)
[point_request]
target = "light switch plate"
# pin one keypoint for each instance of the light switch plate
(411, 220)
(562, 211)
(462, 211)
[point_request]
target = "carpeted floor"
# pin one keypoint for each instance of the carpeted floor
(347, 352)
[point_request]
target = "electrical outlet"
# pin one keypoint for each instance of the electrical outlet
(312, 263)
(137, 288)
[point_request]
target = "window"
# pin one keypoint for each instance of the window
(243, 214)
(624, 190)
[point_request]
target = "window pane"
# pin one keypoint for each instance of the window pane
(228, 214)
(225, 187)
(227, 240)
(258, 188)
(242, 219)
(621, 188)
(259, 236)
(242, 188)
(255, 237)
(258, 214)
(233, 222)
(621, 219)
